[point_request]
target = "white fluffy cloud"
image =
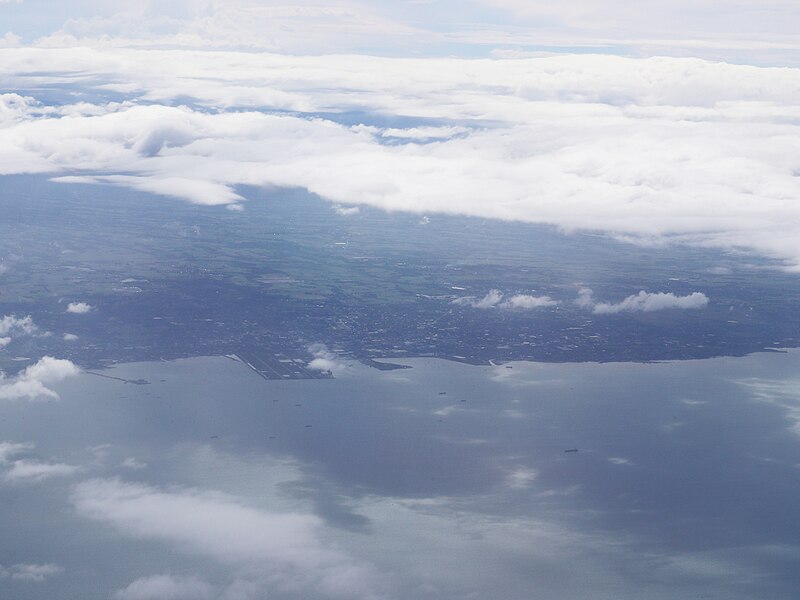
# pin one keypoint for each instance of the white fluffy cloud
(490, 300)
(494, 299)
(165, 587)
(11, 324)
(527, 302)
(325, 360)
(31, 384)
(649, 302)
(79, 308)
(272, 551)
(646, 150)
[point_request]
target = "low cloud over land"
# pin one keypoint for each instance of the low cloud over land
(649, 302)
(496, 299)
(324, 359)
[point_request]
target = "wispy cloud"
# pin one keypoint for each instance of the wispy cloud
(271, 551)
(29, 470)
(31, 572)
(34, 471)
(11, 449)
(783, 393)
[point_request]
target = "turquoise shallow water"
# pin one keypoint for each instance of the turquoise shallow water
(442, 480)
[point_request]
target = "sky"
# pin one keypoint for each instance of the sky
(745, 30)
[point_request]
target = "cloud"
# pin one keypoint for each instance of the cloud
(31, 384)
(165, 587)
(494, 299)
(526, 302)
(649, 302)
(746, 30)
(585, 298)
(26, 470)
(272, 551)
(490, 300)
(325, 360)
(70, 337)
(11, 324)
(9, 449)
(31, 572)
(783, 393)
(346, 211)
(34, 471)
(521, 478)
(680, 150)
(132, 463)
(79, 308)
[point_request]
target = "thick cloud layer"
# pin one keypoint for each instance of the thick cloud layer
(646, 150)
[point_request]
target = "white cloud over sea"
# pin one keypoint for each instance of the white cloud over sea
(270, 551)
(647, 150)
(32, 383)
(26, 470)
